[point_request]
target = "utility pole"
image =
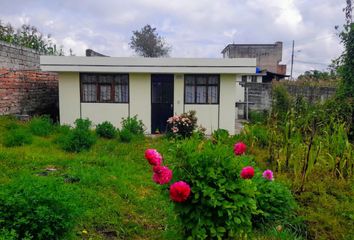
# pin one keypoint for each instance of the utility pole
(292, 61)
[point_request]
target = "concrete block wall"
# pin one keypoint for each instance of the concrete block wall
(24, 89)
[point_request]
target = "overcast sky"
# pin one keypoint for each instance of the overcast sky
(194, 28)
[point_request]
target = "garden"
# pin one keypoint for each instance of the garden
(288, 175)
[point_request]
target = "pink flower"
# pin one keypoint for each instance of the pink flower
(247, 172)
(162, 175)
(268, 174)
(153, 156)
(240, 148)
(180, 191)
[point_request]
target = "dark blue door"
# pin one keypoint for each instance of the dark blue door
(161, 101)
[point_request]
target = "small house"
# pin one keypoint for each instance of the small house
(154, 89)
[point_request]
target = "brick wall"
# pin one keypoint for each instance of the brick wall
(24, 89)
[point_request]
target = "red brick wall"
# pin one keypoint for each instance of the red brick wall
(28, 92)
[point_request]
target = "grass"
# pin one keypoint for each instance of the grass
(112, 180)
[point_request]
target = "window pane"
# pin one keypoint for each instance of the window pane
(190, 80)
(201, 94)
(244, 78)
(190, 94)
(213, 80)
(89, 92)
(121, 93)
(105, 93)
(253, 78)
(212, 94)
(201, 80)
(105, 79)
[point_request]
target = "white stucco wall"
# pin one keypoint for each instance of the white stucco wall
(69, 97)
(178, 94)
(227, 102)
(140, 97)
(207, 115)
(100, 112)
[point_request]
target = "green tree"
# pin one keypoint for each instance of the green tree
(30, 37)
(148, 43)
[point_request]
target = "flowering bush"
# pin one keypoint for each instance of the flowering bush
(162, 175)
(182, 125)
(240, 148)
(222, 195)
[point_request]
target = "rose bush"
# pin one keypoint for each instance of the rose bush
(182, 125)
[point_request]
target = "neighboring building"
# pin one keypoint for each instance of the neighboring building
(109, 89)
(268, 57)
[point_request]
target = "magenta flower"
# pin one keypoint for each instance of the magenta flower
(268, 174)
(162, 175)
(247, 172)
(180, 191)
(240, 148)
(153, 156)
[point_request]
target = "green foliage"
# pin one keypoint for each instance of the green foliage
(29, 36)
(79, 138)
(148, 43)
(281, 102)
(182, 126)
(36, 209)
(17, 136)
(106, 130)
(315, 75)
(125, 135)
(256, 134)
(220, 135)
(258, 117)
(222, 205)
(133, 125)
(41, 126)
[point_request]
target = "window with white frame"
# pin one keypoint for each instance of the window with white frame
(104, 88)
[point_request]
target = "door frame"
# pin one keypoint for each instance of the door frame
(172, 75)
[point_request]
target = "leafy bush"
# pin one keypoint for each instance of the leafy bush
(133, 125)
(106, 130)
(18, 136)
(281, 102)
(182, 125)
(33, 209)
(228, 196)
(257, 134)
(79, 138)
(125, 135)
(258, 116)
(220, 135)
(41, 126)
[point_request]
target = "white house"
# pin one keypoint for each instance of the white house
(110, 88)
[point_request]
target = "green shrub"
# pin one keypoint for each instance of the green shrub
(41, 126)
(257, 134)
(220, 135)
(125, 135)
(79, 138)
(133, 125)
(33, 209)
(221, 204)
(258, 116)
(106, 130)
(182, 125)
(17, 137)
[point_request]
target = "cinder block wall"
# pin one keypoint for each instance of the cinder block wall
(24, 89)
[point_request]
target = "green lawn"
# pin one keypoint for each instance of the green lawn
(115, 190)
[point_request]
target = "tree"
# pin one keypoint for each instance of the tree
(29, 36)
(148, 43)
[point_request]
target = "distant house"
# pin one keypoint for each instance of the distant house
(268, 58)
(110, 88)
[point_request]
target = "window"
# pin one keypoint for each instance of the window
(253, 78)
(109, 88)
(244, 78)
(201, 89)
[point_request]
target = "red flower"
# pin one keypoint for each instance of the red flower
(153, 156)
(162, 175)
(179, 191)
(240, 148)
(247, 172)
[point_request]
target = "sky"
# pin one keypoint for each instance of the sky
(193, 28)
